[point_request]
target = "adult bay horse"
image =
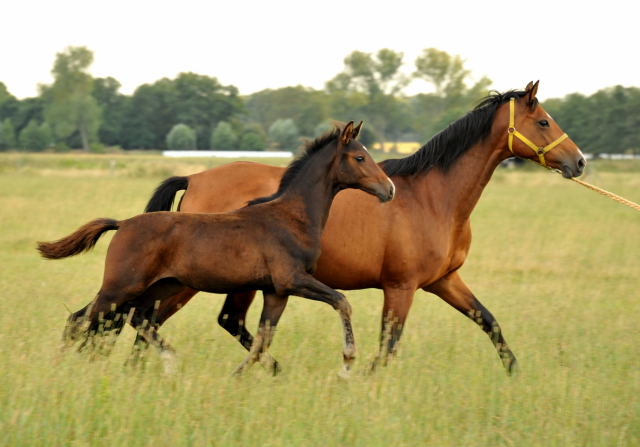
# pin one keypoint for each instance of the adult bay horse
(417, 242)
(271, 245)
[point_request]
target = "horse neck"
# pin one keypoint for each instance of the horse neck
(310, 194)
(464, 182)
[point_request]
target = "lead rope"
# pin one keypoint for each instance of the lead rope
(604, 192)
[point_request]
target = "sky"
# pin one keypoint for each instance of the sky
(569, 46)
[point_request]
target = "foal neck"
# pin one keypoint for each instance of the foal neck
(310, 194)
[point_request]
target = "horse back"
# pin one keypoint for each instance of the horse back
(230, 186)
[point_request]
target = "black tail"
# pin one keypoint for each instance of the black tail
(165, 193)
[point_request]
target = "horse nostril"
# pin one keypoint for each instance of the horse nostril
(581, 164)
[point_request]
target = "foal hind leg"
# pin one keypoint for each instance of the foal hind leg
(272, 310)
(454, 291)
(232, 318)
(152, 308)
(150, 335)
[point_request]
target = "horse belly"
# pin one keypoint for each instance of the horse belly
(222, 274)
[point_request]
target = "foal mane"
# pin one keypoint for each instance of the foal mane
(296, 165)
(443, 149)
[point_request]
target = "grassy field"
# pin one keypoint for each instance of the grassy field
(557, 264)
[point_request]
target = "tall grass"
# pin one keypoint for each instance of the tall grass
(557, 264)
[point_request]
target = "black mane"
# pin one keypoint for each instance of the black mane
(447, 146)
(296, 165)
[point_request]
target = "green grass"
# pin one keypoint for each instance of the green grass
(557, 265)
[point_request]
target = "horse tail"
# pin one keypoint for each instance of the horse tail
(165, 193)
(83, 239)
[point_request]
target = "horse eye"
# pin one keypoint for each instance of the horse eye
(359, 158)
(543, 123)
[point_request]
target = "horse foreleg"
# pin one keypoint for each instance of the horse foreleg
(309, 287)
(233, 317)
(397, 302)
(454, 291)
(272, 310)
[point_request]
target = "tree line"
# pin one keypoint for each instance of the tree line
(196, 111)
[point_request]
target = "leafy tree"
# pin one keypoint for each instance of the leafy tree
(223, 137)
(27, 110)
(7, 135)
(149, 116)
(201, 100)
(605, 122)
(378, 78)
(8, 103)
(305, 106)
(69, 106)
(284, 134)
(35, 137)
(181, 137)
(114, 106)
(453, 96)
(253, 138)
(195, 100)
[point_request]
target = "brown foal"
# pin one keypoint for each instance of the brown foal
(272, 245)
(422, 238)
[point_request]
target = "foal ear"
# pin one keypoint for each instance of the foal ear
(532, 90)
(347, 134)
(356, 130)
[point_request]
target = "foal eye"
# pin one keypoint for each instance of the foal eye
(359, 158)
(543, 123)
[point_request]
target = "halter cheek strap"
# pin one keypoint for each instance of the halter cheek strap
(539, 150)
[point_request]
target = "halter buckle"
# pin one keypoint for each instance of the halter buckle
(511, 129)
(540, 151)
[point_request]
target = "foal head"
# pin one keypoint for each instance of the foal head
(533, 134)
(353, 166)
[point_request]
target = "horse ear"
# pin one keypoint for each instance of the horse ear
(531, 93)
(528, 87)
(347, 134)
(356, 130)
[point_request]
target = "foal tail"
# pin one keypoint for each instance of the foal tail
(83, 239)
(165, 193)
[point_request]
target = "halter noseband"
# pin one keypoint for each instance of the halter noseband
(539, 150)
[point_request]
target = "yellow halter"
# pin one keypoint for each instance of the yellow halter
(540, 150)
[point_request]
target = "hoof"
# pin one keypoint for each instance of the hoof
(344, 373)
(512, 367)
(270, 364)
(169, 362)
(275, 368)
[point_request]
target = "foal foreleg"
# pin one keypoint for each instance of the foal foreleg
(308, 287)
(272, 310)
(454, 291)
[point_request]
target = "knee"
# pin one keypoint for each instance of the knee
(343, 306)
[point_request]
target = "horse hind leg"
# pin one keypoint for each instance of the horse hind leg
(233, 317)
(150, 310)
(272, 310)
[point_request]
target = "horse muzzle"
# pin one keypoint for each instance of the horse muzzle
(573, 169)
